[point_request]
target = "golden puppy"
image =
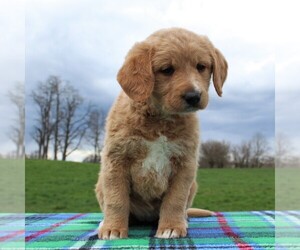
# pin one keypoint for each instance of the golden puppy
(150, 155)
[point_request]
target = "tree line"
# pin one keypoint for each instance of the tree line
(248, 154)
(64, 120)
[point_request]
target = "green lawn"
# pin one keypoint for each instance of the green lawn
(236, 189)
(287, 189)
(12, 182)
(54, 186)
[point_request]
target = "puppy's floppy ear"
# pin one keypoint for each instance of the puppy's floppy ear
(220, 67)
(136, 76)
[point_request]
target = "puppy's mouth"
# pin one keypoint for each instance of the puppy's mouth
(182, 109)
(190, 109)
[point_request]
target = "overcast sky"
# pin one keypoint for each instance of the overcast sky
(85, 42)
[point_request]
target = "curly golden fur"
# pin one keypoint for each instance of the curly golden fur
(150, 155)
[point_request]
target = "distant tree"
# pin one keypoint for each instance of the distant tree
(32, 155)
(252, 153)
(94, 131)
(214, 154)
(62, 117)
(58, 89)
(242, 155)
(283, 149)
(17, 97)
(73, 124)
(37, 136)
(291, 161)
(43, 97)
(269, 161)
(259, 146)
(91, 159)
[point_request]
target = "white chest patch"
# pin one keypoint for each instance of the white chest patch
(151, 178)
(159, 154)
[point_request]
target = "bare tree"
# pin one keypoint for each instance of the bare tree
(62, 118)
(91, 159)
(259, 145)
(252, 153)
(214, 154)
(73, 124)
(94, 132)
(43, 98)
(283, 149)
(242, 155)
(58, 89)
(17, 97)
(37, 136)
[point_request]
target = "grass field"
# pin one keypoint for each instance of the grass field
(54, 186)
(287, 189)
(12, 183)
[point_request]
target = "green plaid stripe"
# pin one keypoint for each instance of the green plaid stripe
(229, 230)
(287, 225)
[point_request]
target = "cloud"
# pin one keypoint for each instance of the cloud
(288, 101)
(287, 76)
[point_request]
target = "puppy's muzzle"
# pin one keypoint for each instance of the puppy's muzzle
(192, 98)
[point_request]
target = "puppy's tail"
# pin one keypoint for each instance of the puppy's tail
(197, 212)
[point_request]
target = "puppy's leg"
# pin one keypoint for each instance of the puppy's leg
(172, 222)
(113, 194)
(99, 192)
(196, 212)
(192, 193)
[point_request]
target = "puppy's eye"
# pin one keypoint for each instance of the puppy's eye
(167, 71)
(200, 67)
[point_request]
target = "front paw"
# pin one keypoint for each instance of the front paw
(174, 230)
(108, 231)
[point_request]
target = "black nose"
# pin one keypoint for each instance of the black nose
(192, 98)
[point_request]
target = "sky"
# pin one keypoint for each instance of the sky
(12, 61)
(85, 42)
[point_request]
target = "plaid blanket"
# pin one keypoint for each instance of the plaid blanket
(228, 230)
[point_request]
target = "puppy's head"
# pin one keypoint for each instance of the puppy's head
(172, 68)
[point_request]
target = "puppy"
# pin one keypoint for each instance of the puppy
(150, 155)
